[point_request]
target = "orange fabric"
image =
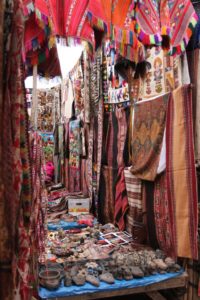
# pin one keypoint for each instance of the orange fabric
(120, 11)
(180, 178)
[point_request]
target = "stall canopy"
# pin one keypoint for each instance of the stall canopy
(130, 25)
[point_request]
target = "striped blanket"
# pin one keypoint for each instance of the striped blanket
(134, 217)
(181, 173)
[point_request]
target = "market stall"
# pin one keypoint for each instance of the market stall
(99, 170)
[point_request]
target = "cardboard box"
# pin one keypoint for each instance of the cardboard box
(78, 206)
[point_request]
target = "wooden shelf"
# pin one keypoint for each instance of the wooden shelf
(151, 290)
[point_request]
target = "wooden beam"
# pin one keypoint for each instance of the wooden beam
(155, 296)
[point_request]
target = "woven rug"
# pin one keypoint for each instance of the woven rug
(181, 173)
(147, 137)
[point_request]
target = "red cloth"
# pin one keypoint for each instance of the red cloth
(70, 19)
(121, 200)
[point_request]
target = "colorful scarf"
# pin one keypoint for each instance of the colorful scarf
(181, 174)
(148, 130)
(156, 21)
(121, 200)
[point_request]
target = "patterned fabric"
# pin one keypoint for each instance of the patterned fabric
(70, 19)
(164, 231)
(195, 39)
(134, 194)
(114, 136)
(6, 279)
(121, 200)
(100, 141)
(114, 18)
(194, 67)
(39, 200)
(181, 174)
(107, 194)
(170, 22)
(48, 109)
(95, 83)
(148, 130)
(86, 91)
(6, 234)
(90, 158)
(74, 155)
(67, 99)
(78, 85)
(38, 35)
(122, 121)
(163, 76)
(15, 161)
(150, 216)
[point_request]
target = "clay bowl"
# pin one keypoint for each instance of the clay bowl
(49, 278)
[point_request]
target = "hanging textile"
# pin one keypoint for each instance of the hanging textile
(6, 225)
(181, 174)
(163, 75)
(38, 35)
(114, 136)
(95, 83)
(194, 42)
(121, 200)
(48, 109)
(163, 217)
(114, 18)
(107, 194)
(78, 85)
(166, 22)
(86, 89)
(74, 155)
(150, 215)
(66, 154)
(70, 20)
(147, 137)
(15, 159)
(67, 99)
(194, 68)
(37, 228)
(134, 217)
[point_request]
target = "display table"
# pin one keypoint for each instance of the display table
(150, 285)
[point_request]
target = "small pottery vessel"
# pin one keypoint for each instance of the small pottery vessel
(49, 279)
